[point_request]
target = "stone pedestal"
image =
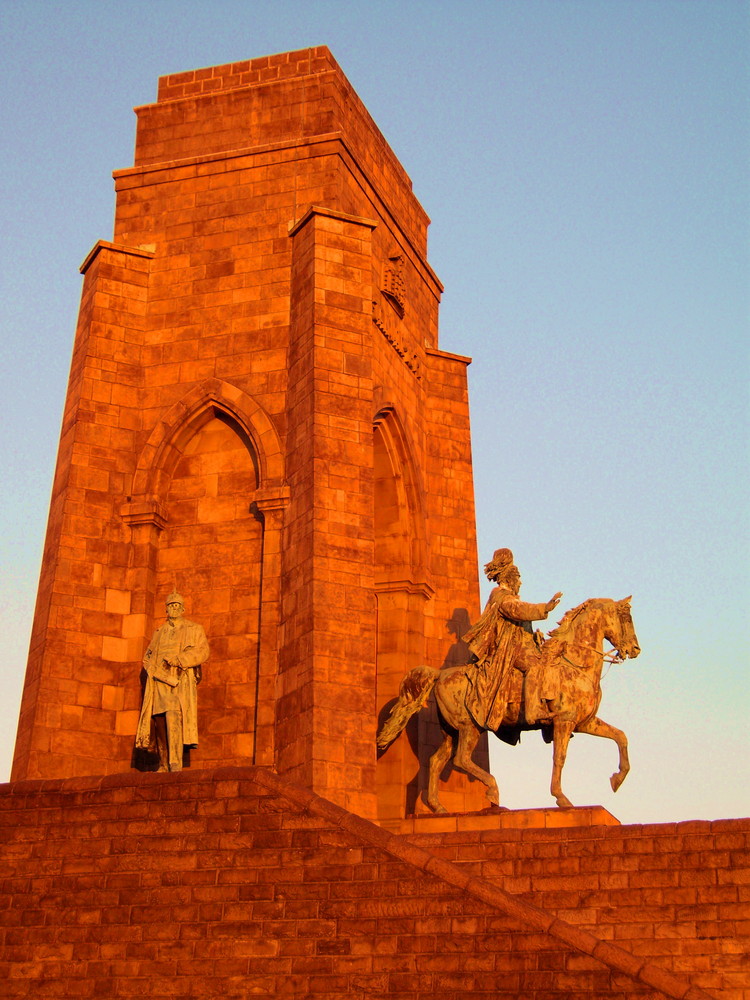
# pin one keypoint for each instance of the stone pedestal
(494, 818)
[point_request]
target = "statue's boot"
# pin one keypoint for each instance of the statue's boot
(174, 740)
(548, 711)
(512, 713)
(160, 734)
(541, 710)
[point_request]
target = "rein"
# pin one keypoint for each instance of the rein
(605, 656)
(617, 658)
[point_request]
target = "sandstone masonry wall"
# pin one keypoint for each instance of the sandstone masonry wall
(235, 883)
(675, 893)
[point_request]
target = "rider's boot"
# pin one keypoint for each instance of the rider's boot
(541, 711)
(512, 712)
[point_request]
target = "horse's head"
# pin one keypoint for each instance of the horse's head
(620, 631)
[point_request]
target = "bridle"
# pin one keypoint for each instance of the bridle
(607, 657)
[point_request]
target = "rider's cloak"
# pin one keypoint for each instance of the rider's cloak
(501, 640)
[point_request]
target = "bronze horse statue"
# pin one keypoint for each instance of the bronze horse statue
(574, 652)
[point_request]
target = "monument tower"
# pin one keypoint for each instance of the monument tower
(259, 416)
(261, 429)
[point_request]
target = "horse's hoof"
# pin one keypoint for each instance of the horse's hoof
(564, 802)
(616, 780)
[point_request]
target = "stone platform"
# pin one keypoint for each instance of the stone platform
(506, 819)
(234, 882)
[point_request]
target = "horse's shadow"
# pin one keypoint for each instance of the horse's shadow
(458, 655)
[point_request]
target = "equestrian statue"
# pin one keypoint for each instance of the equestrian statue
(519, 680)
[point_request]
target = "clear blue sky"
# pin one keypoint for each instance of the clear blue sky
(585, 164)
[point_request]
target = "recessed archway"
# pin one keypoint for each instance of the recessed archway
(401, 593)
(210, 469)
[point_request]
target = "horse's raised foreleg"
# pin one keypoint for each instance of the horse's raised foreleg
(437, 762)
(561, 737)
(596, 727)
(468, 737)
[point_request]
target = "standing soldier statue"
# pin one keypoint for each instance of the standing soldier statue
(170, 700)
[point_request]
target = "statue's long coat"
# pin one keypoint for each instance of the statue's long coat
(192, 647)
(500, 638)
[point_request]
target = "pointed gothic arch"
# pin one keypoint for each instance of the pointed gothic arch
(402, 589)
(206, 514)
(185, 417)
(399, 483)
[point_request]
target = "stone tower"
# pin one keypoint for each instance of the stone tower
(259, 415)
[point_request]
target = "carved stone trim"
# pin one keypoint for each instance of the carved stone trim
(330, 213)
(140, 511)
(271, 498)
(393, 283)
(387, 318)
(409, 357)
(421, 588)
(144, 251)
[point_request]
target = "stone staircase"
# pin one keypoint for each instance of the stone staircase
(235, 883)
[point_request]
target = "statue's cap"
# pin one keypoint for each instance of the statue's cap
(499, 565)
(502, 557)
(175, 598)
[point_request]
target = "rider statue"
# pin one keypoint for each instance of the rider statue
(502, 641)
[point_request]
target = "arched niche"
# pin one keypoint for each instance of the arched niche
(402, 590)
(206, 516)
(184, 418)
(399, 509)
(211, 550)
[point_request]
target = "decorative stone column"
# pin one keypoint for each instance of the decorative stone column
(268, 506)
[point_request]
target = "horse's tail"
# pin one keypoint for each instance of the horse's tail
(413, 693)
